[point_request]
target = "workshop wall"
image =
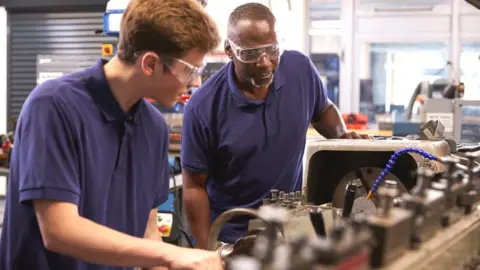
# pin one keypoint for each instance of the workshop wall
(3, 83)
(49, 44)
(40, 5)
(291, 17)
(3, 70)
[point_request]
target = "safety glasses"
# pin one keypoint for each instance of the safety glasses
(185, 72)
(254, 54)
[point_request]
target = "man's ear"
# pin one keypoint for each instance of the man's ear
(149, 63)
(228, 49)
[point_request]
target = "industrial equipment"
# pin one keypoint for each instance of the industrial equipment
(441, 100)
(329, 165)
(435, 225)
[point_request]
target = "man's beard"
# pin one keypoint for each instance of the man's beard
(252, 82)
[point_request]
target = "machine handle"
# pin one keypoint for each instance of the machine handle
(350, 194)
(316, 217)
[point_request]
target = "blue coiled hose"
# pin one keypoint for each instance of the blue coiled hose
(392, 161)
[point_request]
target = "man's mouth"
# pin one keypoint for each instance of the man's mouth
(265, 75)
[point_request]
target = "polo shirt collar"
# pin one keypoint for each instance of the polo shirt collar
(240, 99)
(102, 95)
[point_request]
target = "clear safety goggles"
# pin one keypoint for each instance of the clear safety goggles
(254, 54)
(185, 72)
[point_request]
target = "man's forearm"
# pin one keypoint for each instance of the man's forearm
(156, 236)
(197, 210)
(330, 123)
(98, 244)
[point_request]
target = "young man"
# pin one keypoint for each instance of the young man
(90, 166)
(244, 130)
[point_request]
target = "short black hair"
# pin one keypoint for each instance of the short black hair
(250, 11)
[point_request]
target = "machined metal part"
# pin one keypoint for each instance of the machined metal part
(468, 198)
(391, 227)
(391, 235)
(348, 245)
(361, 206)
(387, 195)
(298, 196)
(369, 175)
(274, 193)
(432, 130)
(452, 248)
(427, 208)
(391, 184)
(299, 223)
(266, 201)
(452, 185)
(212, 240)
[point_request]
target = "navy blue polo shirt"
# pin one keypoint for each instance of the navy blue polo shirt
(249, 147)
(74, 143)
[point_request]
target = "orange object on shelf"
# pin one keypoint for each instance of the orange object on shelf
(356, 121)
(164, 230)
(175, 137)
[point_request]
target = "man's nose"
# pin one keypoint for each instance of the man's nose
(264, 61)
(196, 82)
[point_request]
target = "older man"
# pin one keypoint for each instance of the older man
(244, 130)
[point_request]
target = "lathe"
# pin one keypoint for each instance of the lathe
(387, 204)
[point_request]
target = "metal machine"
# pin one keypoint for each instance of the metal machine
(423, 206)
(331, 164)
(460, 117)
(441, 100)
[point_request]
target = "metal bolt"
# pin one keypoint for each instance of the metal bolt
(274, 193)
(472, 156)
(292, 196)
(387, 196)
(281, 195)
(266, 201)
(424, 178)
(298, 195)
(451, 163)
(391, 184)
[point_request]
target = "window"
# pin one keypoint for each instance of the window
(324, 10)
(328, 65)
(470, 67)
(403, 5)
(389, 73)
(325, 32)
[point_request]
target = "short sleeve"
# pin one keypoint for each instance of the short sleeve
(319, 91)
(195, 153)
(163, 171)
(45, 152)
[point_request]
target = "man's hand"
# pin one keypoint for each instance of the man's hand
(330, 124)
(355, 135)
(187, 259)
(196, 259)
